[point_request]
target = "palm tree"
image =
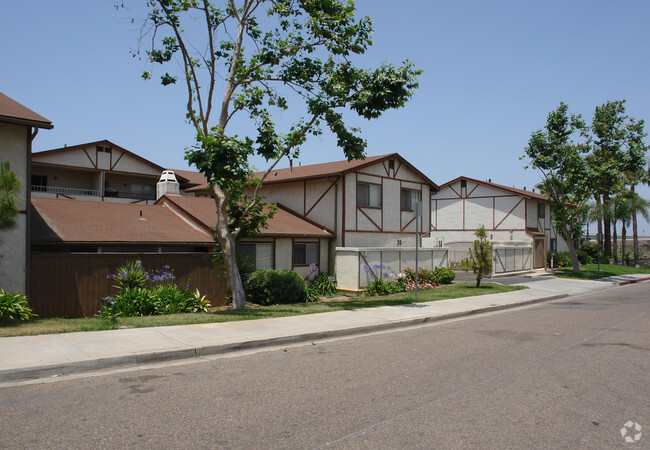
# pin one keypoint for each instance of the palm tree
(9, 198)
(627, 207)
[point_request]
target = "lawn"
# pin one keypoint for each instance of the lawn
(49, 326)
(590, 271)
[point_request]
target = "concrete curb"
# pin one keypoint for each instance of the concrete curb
(210, 350)
(636, 280)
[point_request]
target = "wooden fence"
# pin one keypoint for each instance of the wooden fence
(72, 285)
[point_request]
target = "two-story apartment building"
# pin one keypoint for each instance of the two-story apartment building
(518, 222)
(18, 128)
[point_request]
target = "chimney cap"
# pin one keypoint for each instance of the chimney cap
(168, 175)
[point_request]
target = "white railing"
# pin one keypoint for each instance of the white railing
(66, 191)
(92, 192)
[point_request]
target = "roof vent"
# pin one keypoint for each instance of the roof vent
(168, 175)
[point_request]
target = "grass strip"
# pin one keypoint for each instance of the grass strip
(51, 326)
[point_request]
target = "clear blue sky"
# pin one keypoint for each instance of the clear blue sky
(492, 72)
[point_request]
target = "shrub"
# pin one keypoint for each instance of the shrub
(379, 286)
(325, 284)
(443, 275)
(311, 295)
(163, 299)
(14, 307)
(583, 257)
(590, 248)
(560, 259)
(129, 275)
(267, 287)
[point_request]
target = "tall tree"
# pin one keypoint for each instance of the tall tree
(259, 57)
(9, 198)
(565, 175)
(612, 133)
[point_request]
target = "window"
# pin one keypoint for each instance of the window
(305, 254)
(39, 183)
(101, 149)
(259, 254)
(408, 199)
(541, 210)
(554, 244)
(369, 195)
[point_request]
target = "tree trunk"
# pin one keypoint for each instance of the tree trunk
(227, 242)
(599, 223)
(635, 236)
(607, 224)
(574, 255)
(623, 237)
(615, 243)
(478, 280)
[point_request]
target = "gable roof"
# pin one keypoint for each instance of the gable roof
(511, 190)
(202, 211)
(13, 112)
(324, 170)
(79, 222)
(104, 142)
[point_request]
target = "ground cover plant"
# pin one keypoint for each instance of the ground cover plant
(152, 292)
(49, 326)
(591, 272)
(14, 307)
(387, 282)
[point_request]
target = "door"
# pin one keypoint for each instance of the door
(539, 254)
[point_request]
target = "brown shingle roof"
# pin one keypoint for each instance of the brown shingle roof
(512, 190)
(13, 112)
(326, 169)
(78, 221)
(282, 224)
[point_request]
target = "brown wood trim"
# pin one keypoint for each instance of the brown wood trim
(513, 208)
(383, 163)
(481, 196)
(343, 211)
(387, 178)
(89, 158)
(397, 170)
(113, 166)
(470, 192)
(409, 223)
(453, 198)
(321, 197)
(364, 213)
(494, 211)
(304, 197)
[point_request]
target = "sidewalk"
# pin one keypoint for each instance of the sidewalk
(48, 355)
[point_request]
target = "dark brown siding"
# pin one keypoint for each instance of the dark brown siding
(72, 285)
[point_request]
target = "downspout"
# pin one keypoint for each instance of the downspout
(28, 205)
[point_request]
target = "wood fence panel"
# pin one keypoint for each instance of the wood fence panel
(72, 285)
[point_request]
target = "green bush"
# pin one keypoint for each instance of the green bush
(560, 259)
(311, 295)
(325, 284)
(382, 287)
(444, 275)
(163, 299)
(583, 257)
(268, 287)
(14, 307)
(590, 248)
(129, 275)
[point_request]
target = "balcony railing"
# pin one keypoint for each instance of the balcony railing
(92, 192)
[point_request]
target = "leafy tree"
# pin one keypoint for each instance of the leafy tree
(626, 208)
(479, 258)
(565, 175)
(9, 198)
(617, 160)
(263, 56)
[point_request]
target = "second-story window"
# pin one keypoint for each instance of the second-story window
(541, 210)
(369, 195)
(408, 199)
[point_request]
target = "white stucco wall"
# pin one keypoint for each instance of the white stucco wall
(13, 243)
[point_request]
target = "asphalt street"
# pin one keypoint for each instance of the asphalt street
(568, 373)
